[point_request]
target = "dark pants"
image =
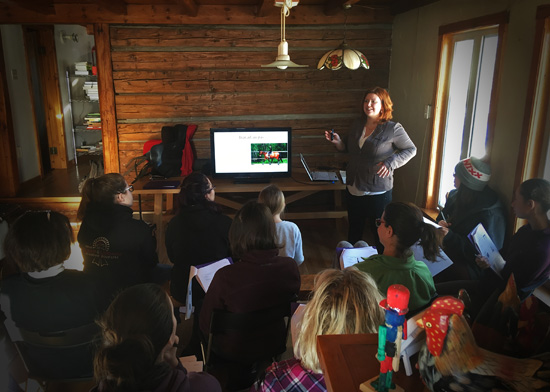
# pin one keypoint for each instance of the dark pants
(365, 209)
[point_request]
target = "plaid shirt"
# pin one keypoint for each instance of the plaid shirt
(290, 376)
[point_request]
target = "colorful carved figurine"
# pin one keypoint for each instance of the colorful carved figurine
(390, 335)
(452, 360)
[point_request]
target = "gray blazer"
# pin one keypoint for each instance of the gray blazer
(389, 143)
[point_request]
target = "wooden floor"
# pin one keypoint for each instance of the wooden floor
(57, 182)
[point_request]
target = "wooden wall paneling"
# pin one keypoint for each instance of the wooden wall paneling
(212, 77)
(106, 98)
(9, 172)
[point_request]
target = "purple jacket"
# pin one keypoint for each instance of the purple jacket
(179, 380)
(260, 280)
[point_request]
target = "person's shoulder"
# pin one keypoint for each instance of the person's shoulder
(370, 262)
(288, 225)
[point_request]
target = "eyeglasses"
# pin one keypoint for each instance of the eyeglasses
(211, 189)
(128, 188)
(379, 221)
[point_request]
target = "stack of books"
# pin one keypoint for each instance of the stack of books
(82, 68)
(90, 89)
(92, 121)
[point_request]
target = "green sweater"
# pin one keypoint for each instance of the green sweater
(412, 274)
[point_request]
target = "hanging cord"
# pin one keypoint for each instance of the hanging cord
(285, 11)
(346, 21)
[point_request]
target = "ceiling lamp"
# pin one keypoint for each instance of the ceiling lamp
(282, 61)
(343, 55)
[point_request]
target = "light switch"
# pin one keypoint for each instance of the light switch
(14, 74)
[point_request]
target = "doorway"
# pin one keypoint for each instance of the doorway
(45, 95)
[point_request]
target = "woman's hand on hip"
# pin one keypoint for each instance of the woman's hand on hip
(383, 171)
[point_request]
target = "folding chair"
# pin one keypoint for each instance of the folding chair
(246, 324)
(56, 357)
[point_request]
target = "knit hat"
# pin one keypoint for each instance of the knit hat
(473, 173)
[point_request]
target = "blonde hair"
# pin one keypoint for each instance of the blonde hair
(343, 302)
(273, 198)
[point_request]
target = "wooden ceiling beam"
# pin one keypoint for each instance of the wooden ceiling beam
(190, 7)
(264, 8)
(332, 7)
(117, 7)
(400, 6)
(44, 7)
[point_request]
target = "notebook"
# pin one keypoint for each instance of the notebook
(318, 175)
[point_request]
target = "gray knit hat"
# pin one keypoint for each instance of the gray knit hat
(473, 173)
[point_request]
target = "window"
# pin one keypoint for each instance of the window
(463, 125)
(534, 154)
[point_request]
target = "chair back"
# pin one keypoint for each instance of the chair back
(271, 323)
(56, 356)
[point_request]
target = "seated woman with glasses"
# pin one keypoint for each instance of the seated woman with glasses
(115, 246)
(197, 234)
(45, 297)
(400, 227)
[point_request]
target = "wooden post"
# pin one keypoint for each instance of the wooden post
(106, 98)
(9, 173)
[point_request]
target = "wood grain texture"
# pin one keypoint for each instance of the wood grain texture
(212, 76)
(9, 173)
(106, 98)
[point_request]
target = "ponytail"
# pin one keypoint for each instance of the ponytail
(430, 240)
(86, 198)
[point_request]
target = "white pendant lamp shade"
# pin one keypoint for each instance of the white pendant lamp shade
(282, 61)
(345, 56)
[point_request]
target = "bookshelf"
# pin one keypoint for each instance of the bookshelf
(85, 117)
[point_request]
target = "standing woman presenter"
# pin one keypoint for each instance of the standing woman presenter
(376, 147)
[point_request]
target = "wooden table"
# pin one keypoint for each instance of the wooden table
(349, 360)
(298, 183)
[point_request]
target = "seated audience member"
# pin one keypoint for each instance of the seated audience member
(120, 249)
(139, 342)
(400, 227)
(472, 202)
(45, 297)
(343, 302)
(259, 279)
(197, 234)
(527, 254)
(288, 233)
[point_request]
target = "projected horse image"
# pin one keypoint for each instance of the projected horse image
(270, 157)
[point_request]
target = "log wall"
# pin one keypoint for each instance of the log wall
(211, 75)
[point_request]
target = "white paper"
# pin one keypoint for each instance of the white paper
(442, 261)
(487, 248)
(352, 256)
(430, 222)
(206, 273)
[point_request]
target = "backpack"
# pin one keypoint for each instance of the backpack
(172, 156)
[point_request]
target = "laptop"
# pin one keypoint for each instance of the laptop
(318, 175)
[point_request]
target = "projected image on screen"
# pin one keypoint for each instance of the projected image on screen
(271, 153)
(251, 152)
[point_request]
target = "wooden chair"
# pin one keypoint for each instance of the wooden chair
(42, 353)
